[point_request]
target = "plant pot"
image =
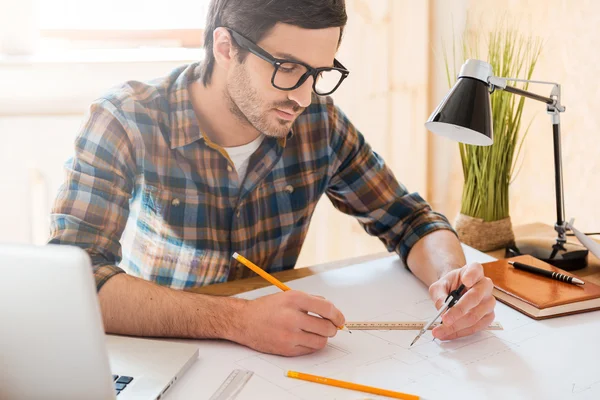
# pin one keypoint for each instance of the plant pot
(484, 235)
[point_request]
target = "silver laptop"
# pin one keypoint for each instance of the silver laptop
(52, 342)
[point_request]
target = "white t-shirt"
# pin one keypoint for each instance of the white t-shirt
(240, 155)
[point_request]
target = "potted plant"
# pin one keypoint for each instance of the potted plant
(484, 220)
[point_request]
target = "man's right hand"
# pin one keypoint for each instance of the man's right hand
(280, 323)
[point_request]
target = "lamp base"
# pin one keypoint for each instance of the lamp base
(568, 256)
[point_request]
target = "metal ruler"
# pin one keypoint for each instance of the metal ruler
(401, 326)
(232, 386)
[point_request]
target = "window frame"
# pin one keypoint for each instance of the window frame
(187, 38)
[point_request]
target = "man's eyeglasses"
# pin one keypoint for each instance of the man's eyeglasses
(289, 75)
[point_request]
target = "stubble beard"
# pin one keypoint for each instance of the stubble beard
(245, 104)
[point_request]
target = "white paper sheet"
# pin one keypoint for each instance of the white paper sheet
(552, 359)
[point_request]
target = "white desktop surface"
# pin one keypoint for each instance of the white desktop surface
(551, 359)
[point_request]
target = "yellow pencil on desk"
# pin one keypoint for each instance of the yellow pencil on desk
(352, 386)
(270, 278)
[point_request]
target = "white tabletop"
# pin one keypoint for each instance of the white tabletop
(550, 359)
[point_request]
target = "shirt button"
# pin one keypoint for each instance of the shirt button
(289, 189)
(175, 202)
(229, 168)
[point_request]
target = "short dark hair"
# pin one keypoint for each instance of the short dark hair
(255, 18)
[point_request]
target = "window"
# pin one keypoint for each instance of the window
(123, 23)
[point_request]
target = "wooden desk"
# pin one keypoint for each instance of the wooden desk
(590, 273)
(244, 285)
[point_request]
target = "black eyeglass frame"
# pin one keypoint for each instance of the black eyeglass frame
(253, 48)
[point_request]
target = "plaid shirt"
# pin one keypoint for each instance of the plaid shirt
(141, 161)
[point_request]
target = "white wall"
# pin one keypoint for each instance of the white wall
(32, 152)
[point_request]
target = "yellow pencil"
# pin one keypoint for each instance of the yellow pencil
(270, 278)
(351, 386)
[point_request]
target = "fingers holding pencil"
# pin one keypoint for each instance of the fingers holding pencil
(323, 308)
(277, 324)
(340, 327)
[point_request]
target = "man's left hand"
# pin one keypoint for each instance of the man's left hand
(475, 309)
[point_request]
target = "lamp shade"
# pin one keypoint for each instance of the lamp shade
(465, 114)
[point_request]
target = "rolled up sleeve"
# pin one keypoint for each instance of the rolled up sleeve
(92, 205)
(362, 186)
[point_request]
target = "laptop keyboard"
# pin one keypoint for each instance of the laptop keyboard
(121, 382)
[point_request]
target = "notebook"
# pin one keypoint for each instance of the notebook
(537, 296)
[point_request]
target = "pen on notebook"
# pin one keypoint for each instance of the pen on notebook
(549, 274)
(352, 386)
(268, 277)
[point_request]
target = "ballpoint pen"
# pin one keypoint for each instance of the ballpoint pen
(546, 273)
(448, 303)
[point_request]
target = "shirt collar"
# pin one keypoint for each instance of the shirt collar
(183, 120)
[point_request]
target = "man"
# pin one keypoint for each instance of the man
(232, 155)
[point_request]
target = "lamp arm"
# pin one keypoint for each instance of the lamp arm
(498, 79)
(554, 108)
(553, 102)
(548, 100)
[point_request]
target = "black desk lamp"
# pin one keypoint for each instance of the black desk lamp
(465, 115)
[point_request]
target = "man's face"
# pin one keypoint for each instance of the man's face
(252, 97)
